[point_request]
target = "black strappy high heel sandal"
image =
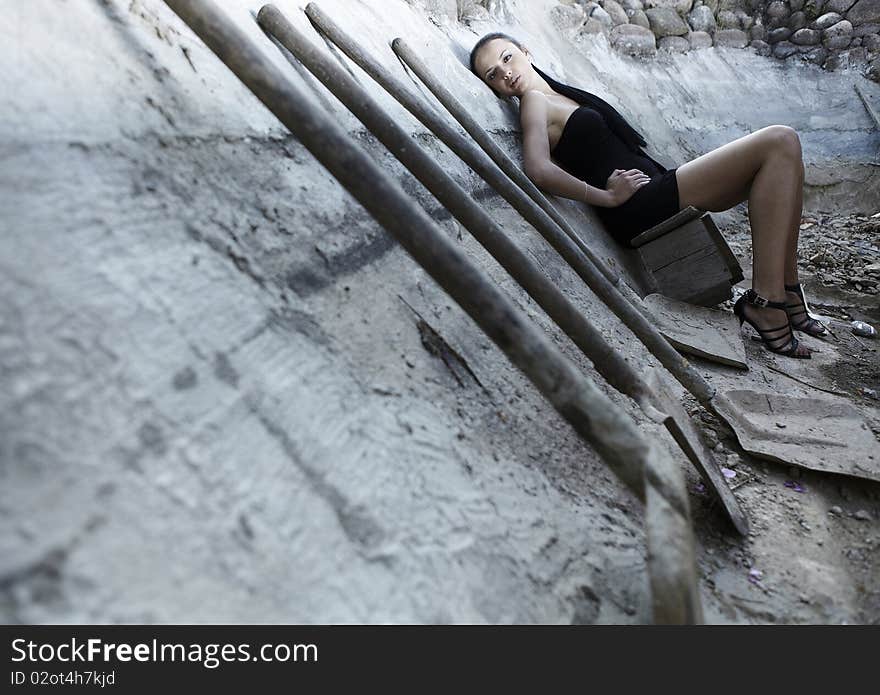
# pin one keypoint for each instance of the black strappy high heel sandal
(782, 344)
(799, 314)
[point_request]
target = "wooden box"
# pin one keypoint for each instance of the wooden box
(686, 258)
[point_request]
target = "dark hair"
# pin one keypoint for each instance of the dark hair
(486, 39)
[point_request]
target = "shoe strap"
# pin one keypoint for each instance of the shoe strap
(753, 297)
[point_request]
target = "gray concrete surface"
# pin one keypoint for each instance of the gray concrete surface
(216, 403)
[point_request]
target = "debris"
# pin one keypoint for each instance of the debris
(792, 485)
(711, 437)
(842, 250)
(862, 515)
(755, 575)
(727, 473)
(866, 330)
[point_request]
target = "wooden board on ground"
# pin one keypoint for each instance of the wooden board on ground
(822, 434)
(709, 333)
(681, 427)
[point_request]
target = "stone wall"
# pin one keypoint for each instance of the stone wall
(831, 33)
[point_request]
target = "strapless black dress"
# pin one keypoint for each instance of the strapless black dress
(590, 150)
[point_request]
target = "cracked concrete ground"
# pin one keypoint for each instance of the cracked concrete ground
(217, 403)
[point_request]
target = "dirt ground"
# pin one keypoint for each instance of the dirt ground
(812, 553)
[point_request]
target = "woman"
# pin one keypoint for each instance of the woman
(577, 146)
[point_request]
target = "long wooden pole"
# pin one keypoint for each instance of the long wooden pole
(608, 361)
(602, 424)
(570, 248)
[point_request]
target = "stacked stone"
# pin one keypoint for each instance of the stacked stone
(831, 33)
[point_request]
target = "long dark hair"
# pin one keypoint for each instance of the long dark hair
(618, 124)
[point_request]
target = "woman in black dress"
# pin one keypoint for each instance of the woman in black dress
(577, 146)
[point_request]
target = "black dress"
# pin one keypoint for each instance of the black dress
(595, 141)
(590, 150)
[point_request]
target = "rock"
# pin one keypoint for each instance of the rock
(616, 12)
(838, 35)
(853, 57)
(864, 11)
(839, 6)
(816, 55)
(796, 5)
(731, 38)
(639, 18)
(812, 8)
(873, 71)
(871, 42)
(865, 29)
(777, 35)
(700, 39)
(602, 17)
(856, 42)
(863, 515)
(702, 19)
(673, 44)
(745, 20)
(632, 5)
(594, 26)
(727, 20)
(666, 22)
(762, 48)
(798, 20)
(758, 33)
(633, 39)
(712, 5)
(826, 20)
(806, 37)
(783, 49)
(711, 437)
(837, 511)
(679, 6)
(777, 10)
(567, 17)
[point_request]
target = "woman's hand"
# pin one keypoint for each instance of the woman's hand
(622, 184)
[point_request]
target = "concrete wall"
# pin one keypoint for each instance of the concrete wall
(215, 400)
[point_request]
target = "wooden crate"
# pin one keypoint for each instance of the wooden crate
(686, 258)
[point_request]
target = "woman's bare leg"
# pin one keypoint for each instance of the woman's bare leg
(765, 167)
(791, 271)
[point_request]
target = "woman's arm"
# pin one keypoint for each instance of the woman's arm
(551, 178)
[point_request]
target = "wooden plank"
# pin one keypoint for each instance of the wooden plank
(676, 244)
(869, 107)
(736, 271)
(678, 219)
(688, 279)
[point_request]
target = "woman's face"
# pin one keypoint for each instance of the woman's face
(504, 67)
